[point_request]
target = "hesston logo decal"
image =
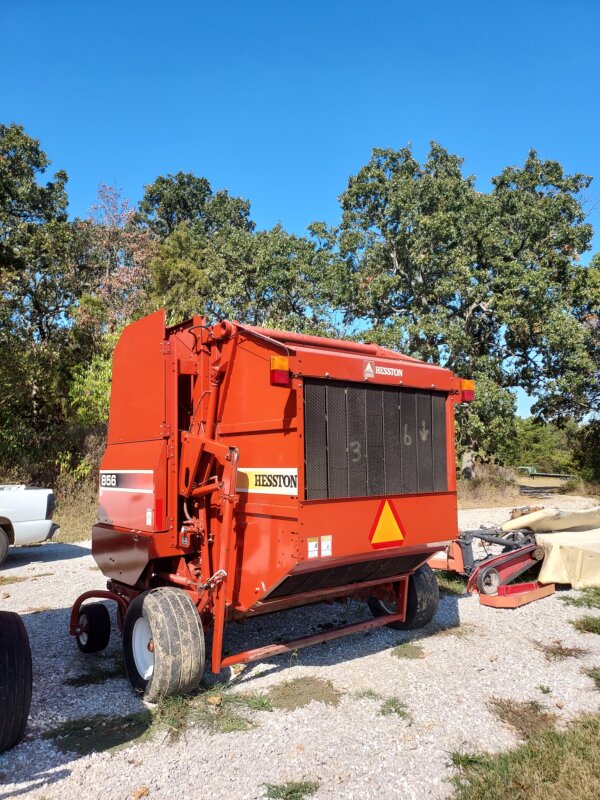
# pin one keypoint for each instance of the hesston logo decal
(265, 480)
(371, 369)
(387, 529)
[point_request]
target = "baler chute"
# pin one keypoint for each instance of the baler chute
(249, 471)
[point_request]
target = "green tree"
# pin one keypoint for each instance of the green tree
(24, 202)
(212, 261)
(485, 284)
(545, 446)
(186, 198)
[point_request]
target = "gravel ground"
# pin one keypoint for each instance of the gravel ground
(351, 750)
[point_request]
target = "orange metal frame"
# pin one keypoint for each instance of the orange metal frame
(192, 404)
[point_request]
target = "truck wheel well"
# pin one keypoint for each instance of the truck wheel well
(7, 527)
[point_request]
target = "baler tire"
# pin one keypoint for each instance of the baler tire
(4, 545)
(15, 679)
(421, 603)
(96, 618)
(169, 617)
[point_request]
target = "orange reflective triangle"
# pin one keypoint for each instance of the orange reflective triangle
(387, 529)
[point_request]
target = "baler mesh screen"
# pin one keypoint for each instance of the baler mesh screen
(366, 440)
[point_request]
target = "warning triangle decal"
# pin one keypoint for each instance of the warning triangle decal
(387, 529)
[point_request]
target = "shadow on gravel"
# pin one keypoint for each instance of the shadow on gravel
(295, 623)
(42, 553)
(41, 780)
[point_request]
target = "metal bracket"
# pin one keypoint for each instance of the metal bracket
(215, 579)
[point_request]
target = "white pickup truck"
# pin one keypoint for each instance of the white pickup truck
(25, 516)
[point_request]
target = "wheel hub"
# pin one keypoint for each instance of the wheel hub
(143, 648)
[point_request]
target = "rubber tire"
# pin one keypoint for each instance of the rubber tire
(15, 679)
(421, 604)
(98, 633)
(178, 639)
(4, 544)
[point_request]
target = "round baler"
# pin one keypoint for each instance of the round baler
(249, 471)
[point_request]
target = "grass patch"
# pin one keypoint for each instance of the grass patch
(98, 673)
(587, 598)
(450, 583)
(594, 674)
(527, 717)
(217, 710)
(557, 651)
(552, 765)
(392, 705)
(98, 733)
(409, 650)
(299, 692)
(292, 790)
(587, 624)
(367, 694)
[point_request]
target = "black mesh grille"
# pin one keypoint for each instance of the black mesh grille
(365, 440)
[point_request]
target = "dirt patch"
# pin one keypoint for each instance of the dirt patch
(409, 650)
(299, 692)
(557, 651)
(527, 717)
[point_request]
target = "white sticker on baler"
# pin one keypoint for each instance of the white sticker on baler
(326, 546)
(313, 547)
(268, 480)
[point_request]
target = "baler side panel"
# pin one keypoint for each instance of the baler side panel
(261, 421)
(137, 401)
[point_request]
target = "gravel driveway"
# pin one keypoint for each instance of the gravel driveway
(469, 655)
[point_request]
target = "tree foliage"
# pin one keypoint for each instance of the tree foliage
(490, 284)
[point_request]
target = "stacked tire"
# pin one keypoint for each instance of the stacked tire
(15, 679)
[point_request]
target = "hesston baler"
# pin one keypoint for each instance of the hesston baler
(249, 471)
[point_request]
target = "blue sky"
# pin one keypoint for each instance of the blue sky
(280, 102)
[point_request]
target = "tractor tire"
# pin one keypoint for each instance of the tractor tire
(4, 544)
(94, 620)
(163, 644)
(15, 679)
(421, 604)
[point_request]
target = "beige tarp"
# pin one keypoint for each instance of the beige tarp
(571, 540)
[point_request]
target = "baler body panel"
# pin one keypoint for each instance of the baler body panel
(345, 480)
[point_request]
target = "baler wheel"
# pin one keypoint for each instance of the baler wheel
(421, 603)
(94, 621)
(163, 643)
(15, 679)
